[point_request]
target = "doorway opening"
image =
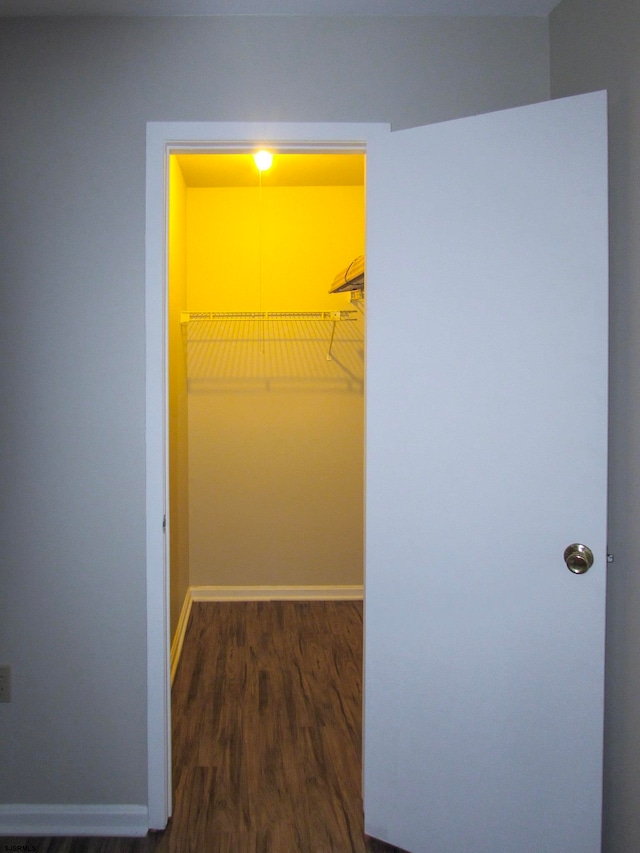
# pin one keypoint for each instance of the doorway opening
(163, 140)
(265, 379)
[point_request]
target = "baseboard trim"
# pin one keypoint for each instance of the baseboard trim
(277, 593)
(181, 630)
(25, 820)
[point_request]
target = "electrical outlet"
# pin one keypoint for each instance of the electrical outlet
(5, 684)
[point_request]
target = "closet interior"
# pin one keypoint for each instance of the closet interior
(265, 371)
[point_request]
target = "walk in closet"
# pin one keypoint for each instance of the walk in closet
(266, 372)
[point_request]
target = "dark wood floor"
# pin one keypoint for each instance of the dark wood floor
(267, 733)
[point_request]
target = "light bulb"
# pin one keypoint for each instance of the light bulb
(263, 160)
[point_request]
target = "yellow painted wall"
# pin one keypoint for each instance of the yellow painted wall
(275, 429)
(308, 234)
(178, 409)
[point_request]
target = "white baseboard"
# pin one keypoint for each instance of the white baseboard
(277, 593)
(23, 819)
(181, 630)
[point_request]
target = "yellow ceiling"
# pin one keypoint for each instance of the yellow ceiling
(239, 170)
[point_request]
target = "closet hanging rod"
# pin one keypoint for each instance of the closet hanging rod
(322, 316)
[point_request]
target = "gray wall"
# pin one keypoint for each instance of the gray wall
(596, 45)
(74, 99)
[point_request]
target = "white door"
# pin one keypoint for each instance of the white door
(486, 458)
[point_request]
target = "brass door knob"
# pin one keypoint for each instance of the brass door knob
(578, 558)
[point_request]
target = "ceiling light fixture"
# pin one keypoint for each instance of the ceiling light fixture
(263, 160)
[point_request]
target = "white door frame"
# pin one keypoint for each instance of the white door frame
(164, 138)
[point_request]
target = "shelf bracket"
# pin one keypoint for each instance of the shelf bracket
(333, 331)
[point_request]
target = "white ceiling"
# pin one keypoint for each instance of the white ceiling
(538, 8)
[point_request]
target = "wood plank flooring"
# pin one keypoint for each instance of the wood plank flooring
(267, 734)
(269, 742)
